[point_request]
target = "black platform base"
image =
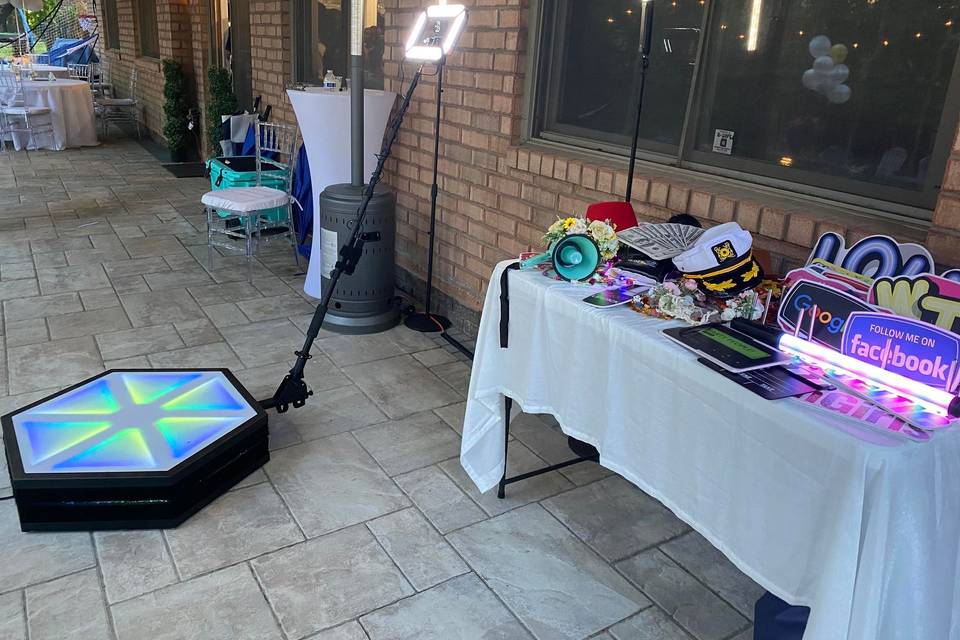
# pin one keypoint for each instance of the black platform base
(140, 507)
(427, 322)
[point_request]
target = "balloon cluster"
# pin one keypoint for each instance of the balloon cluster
(828, 73)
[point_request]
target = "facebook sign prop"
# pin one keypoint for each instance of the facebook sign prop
(908, 347)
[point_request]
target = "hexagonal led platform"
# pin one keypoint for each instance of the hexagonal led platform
(132, 449)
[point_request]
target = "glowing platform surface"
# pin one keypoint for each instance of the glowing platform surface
(132, 449)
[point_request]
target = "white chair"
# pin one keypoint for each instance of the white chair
(249, 206)
(118, 110)
(16, 116)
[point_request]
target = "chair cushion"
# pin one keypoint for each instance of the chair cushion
(117, 102)
(245, 199)
(26, 111)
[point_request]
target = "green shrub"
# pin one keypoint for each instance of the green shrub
(221, 101)
(176, 109)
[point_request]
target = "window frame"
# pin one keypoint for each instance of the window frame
(139, 18)
(111, 32)
(882, 199)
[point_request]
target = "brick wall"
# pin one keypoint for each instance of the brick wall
(272, 61)
(181, 34)
(498, 195)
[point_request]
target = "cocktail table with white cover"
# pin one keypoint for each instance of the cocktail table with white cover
(862, 528)
(42, 70)
(324, 120)
(71, 111)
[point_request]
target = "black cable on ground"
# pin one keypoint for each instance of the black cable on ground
(453, 341)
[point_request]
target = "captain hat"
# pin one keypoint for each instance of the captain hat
(714, 248)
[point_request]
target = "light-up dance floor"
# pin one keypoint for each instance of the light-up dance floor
(132, 448)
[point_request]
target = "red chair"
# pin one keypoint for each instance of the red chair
(619, 213)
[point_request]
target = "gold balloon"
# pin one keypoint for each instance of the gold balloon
(839, 53)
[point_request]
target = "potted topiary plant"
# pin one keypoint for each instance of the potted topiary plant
(222, 102)
(176, 111)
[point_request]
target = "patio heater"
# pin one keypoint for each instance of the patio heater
(363, 301)
(136, 448)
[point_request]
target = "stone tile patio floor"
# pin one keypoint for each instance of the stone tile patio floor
(363, 524)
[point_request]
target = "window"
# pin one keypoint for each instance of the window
(110, 24)
(322, 41)
(856, 101)
(148, 41)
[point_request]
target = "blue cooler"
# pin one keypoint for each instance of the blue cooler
(241, 171)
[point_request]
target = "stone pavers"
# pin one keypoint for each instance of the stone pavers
(362, 526)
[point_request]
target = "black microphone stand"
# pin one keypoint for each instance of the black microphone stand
(646, 32)
(293, 390)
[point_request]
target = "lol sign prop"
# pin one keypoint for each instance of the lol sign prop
(911, 348)
(877, 257)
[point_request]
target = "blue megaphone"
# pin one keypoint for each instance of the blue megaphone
(575, 257)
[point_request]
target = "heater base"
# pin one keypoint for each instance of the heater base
(132, 449)
(427, 322)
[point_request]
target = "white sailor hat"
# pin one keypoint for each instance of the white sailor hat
(721, 261)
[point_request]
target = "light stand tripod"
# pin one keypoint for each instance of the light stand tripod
(293, 390)
(427, 322)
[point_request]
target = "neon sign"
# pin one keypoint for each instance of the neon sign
(910, 348)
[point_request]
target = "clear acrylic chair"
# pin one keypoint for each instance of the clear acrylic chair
(16, 114)
(100, 80)
(120, 110)
(79, 71)
(243, 213)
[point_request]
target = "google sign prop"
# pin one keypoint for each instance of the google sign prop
(817, 311)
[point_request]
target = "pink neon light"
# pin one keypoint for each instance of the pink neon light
(893, 382)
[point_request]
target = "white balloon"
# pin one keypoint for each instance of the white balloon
(823, 64)
(839, 73)
(820, 46)
(839, 94)
(812, 80)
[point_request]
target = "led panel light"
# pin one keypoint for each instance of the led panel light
(132, 448)
(435, 32)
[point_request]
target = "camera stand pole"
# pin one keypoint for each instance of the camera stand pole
(293, 390)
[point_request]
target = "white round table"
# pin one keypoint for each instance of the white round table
(324, 120)
(71, 111)
(45, 69)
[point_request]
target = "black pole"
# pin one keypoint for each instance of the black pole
(427, 322)
(293, 390)
(646, 33)
(356, 94)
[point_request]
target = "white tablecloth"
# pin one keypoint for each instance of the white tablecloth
(71, 111)
(324, 120)
(863, 529)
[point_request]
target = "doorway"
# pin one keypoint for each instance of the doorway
(240, 58)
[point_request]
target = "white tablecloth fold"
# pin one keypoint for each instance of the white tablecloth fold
(862, 528)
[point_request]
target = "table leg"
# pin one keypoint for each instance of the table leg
(507, 408)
